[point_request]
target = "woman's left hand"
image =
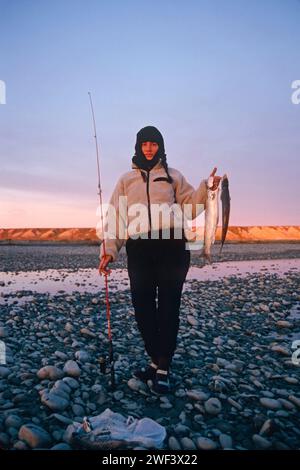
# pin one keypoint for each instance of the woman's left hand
(216, 178)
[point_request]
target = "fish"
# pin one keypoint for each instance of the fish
(225, 198)
(211, 219)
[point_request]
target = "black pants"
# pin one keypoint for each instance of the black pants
(157, 268)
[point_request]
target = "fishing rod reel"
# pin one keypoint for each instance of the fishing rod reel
(107, 367)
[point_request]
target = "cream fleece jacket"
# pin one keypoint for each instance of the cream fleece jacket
(139, 197)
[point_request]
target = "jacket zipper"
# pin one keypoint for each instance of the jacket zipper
(148, 197)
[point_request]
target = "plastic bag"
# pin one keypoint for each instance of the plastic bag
(111, 430)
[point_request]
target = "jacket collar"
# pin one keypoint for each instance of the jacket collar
(156, 167)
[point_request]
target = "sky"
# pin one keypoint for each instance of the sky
(215, 77)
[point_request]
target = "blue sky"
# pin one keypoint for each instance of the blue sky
(215, 77)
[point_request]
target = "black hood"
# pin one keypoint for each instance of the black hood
(148, 134)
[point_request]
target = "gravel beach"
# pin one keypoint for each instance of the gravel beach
(235, 381)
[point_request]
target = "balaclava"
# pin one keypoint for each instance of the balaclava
(150, 134)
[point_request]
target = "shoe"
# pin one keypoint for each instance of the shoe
(161, 384)
(146, 374)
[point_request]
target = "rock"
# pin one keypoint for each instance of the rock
(173, 443)
(267, 428)
(14, 421)
(72, 369)
(136, 385)
(192, 320)
(270, 403)
(67, 437)
(87, 332)
(197, 395)
(280, 350)
(78, 410)
(20, 445)
(203, 443)
(82, 356)
(225, 441)
(61, 388)
(283, 324)
(181, 429)
(213, 406)
(61, 446)
(4, 372)
(54, 402)
(50, 372)
(261, 442)
(35, 436)
(187, 444)
(291, 380)
(118, 395)
(62, 419)
(3, 332)
(69, 327)
(71, 382)
(235, 404)
(286, 404)
(295, 400)
(61, 355)
(4, 440)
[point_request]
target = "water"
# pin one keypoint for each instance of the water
(55, 281)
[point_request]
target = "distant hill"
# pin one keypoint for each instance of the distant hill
(255, 233)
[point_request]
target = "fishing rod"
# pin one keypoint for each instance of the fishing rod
(111, 350)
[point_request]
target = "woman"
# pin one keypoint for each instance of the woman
(157, 266)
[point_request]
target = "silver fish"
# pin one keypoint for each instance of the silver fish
(211, 219)
(225, 198)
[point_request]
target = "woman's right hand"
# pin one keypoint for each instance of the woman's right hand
(105, 260)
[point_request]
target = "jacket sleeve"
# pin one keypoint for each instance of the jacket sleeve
(186, 194)
(115, 223)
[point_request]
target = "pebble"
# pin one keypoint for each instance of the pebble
(54, 402)
(35, 436)
(213, 406)
(187, 444)
(270, 403)
(225, 441)
(4, 372)
(203, 443)
(61, 446)
(260, 442)
(72, 369)
(197, 395)
(50, 372)
(174, 443)
(192, 320)
(82, 356)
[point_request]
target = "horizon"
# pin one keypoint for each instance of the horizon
(216, 79)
